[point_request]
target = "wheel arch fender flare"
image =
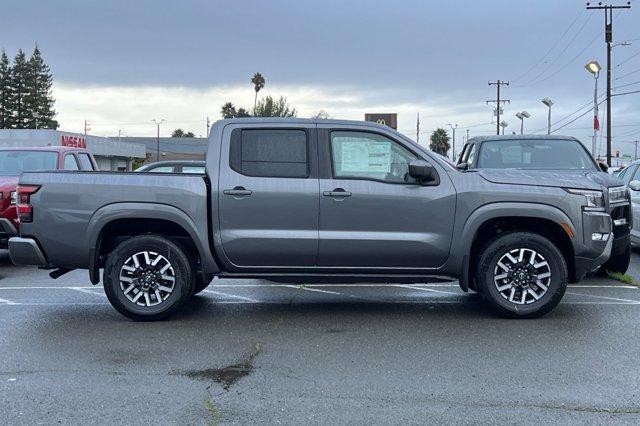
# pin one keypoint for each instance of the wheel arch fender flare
(466, 236)
(134, 210)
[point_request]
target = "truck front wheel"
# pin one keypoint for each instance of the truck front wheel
(522, 275)
(147, 278)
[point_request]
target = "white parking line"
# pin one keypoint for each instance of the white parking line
(57, 287)
(232, 296)
(87, 291)
(6, 302)
(412, 287)
(605, 297)
(309, 288)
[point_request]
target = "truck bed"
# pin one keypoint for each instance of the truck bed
(70, 204)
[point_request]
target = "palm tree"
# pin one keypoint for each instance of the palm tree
(439, 141)
(258, 83)
(228, 110)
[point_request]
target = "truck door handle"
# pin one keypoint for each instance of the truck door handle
(337, 193)
(238, 191)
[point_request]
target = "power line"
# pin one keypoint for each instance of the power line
(536, 79)
(627, 74)
(541, 60)
(578, 117)
(628, 59)
(625, 85)
(626, 93)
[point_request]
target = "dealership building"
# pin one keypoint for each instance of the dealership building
(110, 154)
(171, 149)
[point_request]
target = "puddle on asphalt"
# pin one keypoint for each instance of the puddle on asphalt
(229, 375)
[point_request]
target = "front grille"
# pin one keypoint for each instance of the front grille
(621, 212)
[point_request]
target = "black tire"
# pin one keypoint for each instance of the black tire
(487, 269)
(200, 284)
(618, 263)
(158, 246)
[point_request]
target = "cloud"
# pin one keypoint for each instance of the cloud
(130, 109)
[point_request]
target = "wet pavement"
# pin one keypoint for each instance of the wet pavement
(248, 351)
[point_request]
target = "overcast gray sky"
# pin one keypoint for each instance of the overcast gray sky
(120, 63)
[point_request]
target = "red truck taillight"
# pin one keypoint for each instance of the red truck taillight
(25, 209)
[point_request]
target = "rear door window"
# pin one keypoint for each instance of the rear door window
(270, 153)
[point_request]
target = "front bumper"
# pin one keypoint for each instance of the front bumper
(593, 253)
(25, 251)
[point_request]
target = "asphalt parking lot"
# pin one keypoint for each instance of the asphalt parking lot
(249, 351)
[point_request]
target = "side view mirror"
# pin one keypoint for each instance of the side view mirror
(462, 166)
(634, 185)
(422, 171)
(603, 166)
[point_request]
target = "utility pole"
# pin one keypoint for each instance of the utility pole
(453, 142)
(208, 125)
(635, 155)
(158, 123)
(498, 101)
(608, 38)
(86, 127)
(467, 135)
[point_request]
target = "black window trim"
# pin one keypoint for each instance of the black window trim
(435, 182)
(307, 143)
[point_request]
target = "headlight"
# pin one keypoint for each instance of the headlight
(14, 197)
(619, 194)
(594, 200)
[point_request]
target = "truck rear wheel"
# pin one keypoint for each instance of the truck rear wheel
(522, 275)
(147, 278)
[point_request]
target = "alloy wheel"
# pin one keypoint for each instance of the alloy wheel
(522, 276)
(147, 278)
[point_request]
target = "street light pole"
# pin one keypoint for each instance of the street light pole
(158, 123)
(549, 103)
(453, 143)
(594, 68)
(522, 115)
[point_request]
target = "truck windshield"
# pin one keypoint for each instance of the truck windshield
(556, 154)
(16, 162)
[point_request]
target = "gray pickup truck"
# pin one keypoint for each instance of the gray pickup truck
(294, 200)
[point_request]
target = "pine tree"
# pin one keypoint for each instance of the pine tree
(38, 100)
(19, 90)
(5, 92)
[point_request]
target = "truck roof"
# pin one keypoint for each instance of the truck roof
(520, 137)
(301, 121)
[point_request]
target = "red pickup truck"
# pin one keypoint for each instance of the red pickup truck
(14, 161)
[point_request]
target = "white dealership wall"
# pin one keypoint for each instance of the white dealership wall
(110, 154)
